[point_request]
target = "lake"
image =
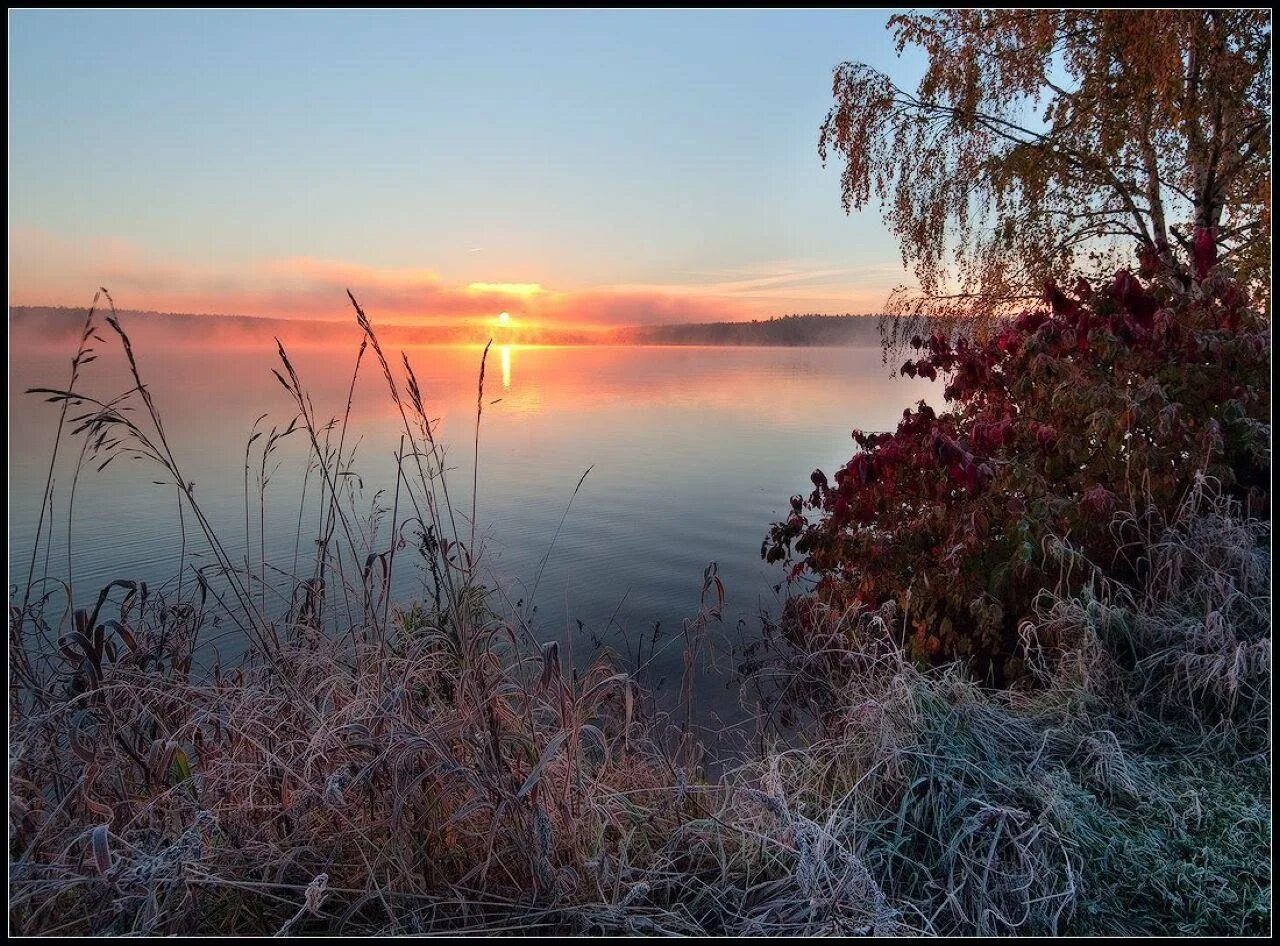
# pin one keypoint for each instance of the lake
(692, 453)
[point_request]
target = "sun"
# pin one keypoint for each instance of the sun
(504, 318)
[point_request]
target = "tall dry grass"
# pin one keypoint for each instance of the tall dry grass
(361, 765)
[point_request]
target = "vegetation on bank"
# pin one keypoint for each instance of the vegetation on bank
(371, 767)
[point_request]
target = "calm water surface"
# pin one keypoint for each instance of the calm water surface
(692, 452)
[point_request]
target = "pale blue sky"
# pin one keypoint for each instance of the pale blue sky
(574, 150)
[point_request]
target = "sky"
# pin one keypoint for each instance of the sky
(566, 167)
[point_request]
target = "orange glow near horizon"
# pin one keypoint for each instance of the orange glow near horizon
(47, 268)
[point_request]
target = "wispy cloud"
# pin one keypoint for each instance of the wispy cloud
(523, 289)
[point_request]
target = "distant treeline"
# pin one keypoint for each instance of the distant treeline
(808, 329)
(56, 323)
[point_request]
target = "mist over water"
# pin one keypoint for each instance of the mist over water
(692, 453)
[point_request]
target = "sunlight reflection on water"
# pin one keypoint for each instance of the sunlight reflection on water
(694, 451)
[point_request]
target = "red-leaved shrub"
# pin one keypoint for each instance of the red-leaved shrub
(1108, 399)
